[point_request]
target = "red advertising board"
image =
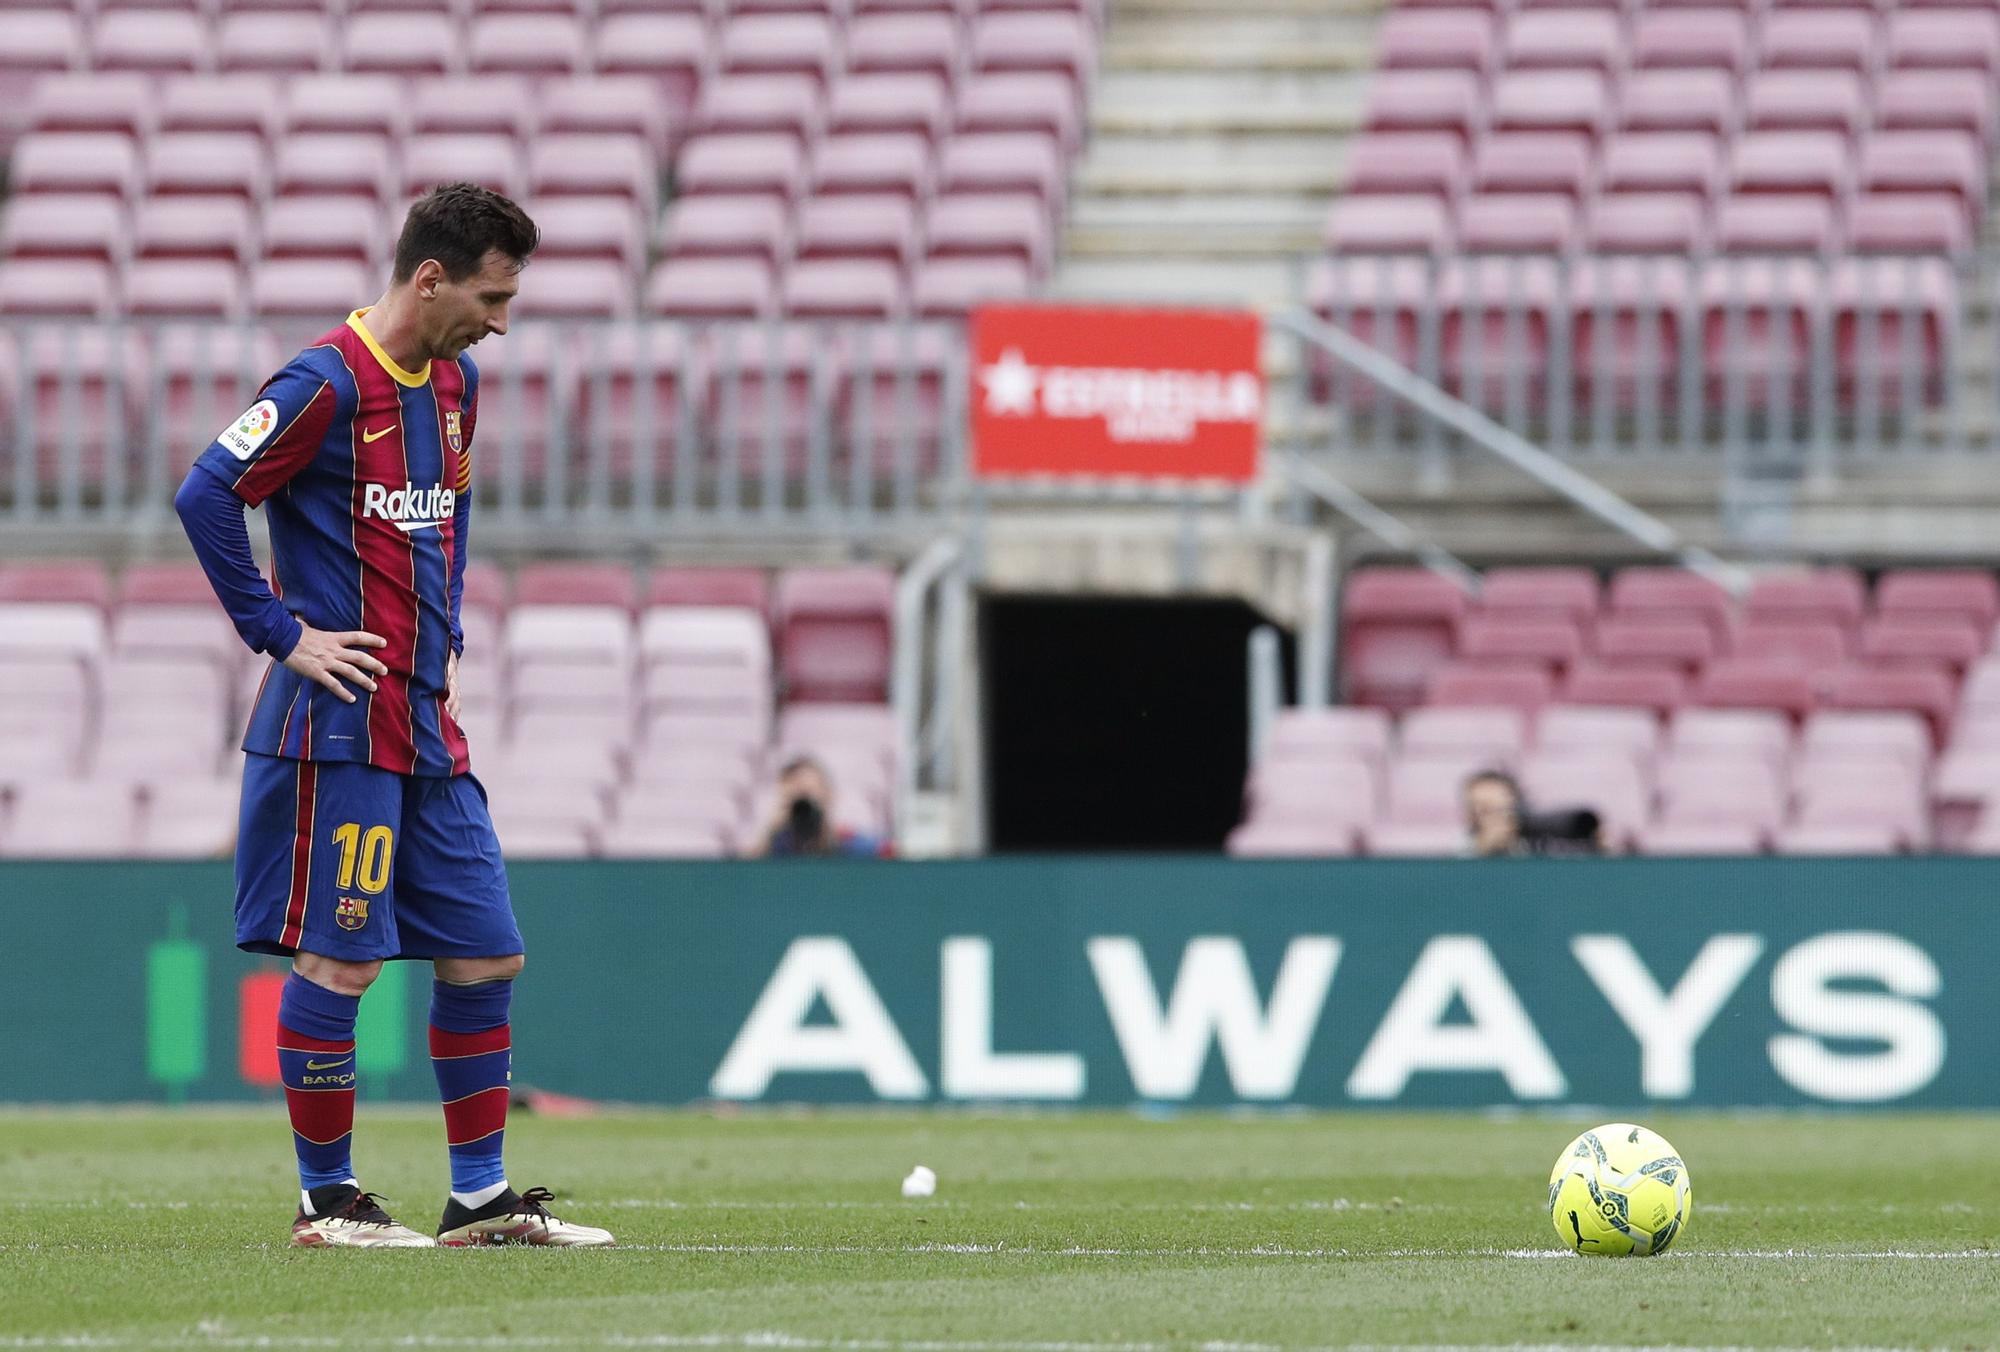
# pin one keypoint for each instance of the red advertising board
(1085, 392)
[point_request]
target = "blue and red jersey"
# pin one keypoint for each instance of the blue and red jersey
(364, 469)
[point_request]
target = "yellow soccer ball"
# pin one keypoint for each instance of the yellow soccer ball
(1619, 1190)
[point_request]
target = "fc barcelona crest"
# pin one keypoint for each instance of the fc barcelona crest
(351, 913)
(454, 431)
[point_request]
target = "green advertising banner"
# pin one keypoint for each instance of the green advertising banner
(1100, 981)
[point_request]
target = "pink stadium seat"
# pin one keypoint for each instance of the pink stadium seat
(767, 43)
(747, 588)
(186, 288)
(1397, 626)
(769, 164)
(81, 387)
(1609, 785)
(1661, 162)
(892, 163)
(1337, 733)
(1669, 839)
(56, 287)
(1572, 729)
(732, 638)
(356, 104)
(239, 103)
(1415, 840)
(163, 584)
(711, 288)
(607, 105)
(1779, 224)
(1533, 162)
(891, 102)
(1494, 734)
(1971, 595)
(1819, 37)
(195, 819)
(39, 42)
(1935, 100)
(1746, 683)
(122, 103)
(536, 45)
(593, 165)
(1388, 225)
(836, 727)
(1925, 162)
(753, 226)
(1835, 594)
(488, 160)
(1896, 640)
(344, 228)
(990, 226)
(1564, 39)
(1721, 789)
(1021, 101)
(1808, 644)
(1061, 43)
(1683, 645)
(1963, 791)
(83, 820)
(1319, 790)
(1942, 39)
(272, 43)
(1290, 840)
(80, 226)
(1806, 100)
(1430, 790)
(1757, 315)
(402, 43)
(1678, 100)
(1528, 223)
(1003, 162)
(333, 165)
(310, 289)
(74, 162)
(1924, 691)
(600, 229)
(209, 164)
(1680, 38)
(858, 226)
(1627, 317)
(1840, 838)
(670, 51)
(196, 629)
(1764, 735)
(1405, 163)
(577, 288)
(1646, 223)
(789, 103)
(1670, 594)
(79, 581)
(1876, 802)
(591, 584)
(1551, 100)
(1908, 223)
(833, 628)
(580, 631)
(926, 44)
(1554, 644)
(1840, 735)
(1426, 100)
(843, 288)
(1543, 594)
(1510, 685)
(1436, 39)
(1791, 162)
(946, 288)
(151, 41)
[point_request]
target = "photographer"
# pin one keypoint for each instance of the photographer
(803, 821)
(1498, 822)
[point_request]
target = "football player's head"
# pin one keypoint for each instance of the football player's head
(461, 254)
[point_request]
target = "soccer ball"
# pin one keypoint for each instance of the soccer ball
(1618, 1190)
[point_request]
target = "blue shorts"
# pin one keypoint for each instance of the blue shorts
(358, 863)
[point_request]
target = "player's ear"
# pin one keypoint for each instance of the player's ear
(429, 273)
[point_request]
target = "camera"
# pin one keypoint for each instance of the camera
(805, 819)
(1569, 831)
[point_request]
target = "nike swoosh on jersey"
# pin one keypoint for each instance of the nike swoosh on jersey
(377, 436)
(327, 1065)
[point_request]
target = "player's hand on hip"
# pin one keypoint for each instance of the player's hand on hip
(338, 659)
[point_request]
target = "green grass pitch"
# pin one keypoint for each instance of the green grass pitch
(1087, 1233)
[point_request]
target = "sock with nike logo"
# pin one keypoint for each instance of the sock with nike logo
(472, 1053)
(316, 1062)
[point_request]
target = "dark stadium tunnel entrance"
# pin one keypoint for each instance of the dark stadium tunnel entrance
(1116, 723)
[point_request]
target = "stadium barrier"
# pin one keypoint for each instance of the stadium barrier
(1843, 983)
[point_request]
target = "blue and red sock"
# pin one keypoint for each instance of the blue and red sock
(471, 1052)
(316, 1064)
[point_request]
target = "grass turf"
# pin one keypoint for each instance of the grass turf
(1099, 1233)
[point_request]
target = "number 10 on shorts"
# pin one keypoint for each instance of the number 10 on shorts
(368, 855)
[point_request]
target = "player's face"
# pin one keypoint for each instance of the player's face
(463, 312)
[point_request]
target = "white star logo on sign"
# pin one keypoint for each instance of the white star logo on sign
(1010, 384)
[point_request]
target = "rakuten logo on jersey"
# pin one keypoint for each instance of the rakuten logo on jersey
(409, 507)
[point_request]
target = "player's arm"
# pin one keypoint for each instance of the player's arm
(461, 548)
(272, 441)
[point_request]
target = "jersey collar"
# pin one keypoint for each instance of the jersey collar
(396, 373)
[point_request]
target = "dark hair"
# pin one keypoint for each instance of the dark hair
(798, 763)
(457, 223)
(1495, 777)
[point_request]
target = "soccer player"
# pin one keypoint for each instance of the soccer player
(364, 836)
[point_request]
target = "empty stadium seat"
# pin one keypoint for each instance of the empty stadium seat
(1397, 626)
(1658, 691)
(1496, 684)
(833, 633)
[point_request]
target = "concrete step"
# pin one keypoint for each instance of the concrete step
(1194, 226)
(1223, 53)
(1244, 32)
(1264, 282)
(1134, 11)
(1316, 180)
